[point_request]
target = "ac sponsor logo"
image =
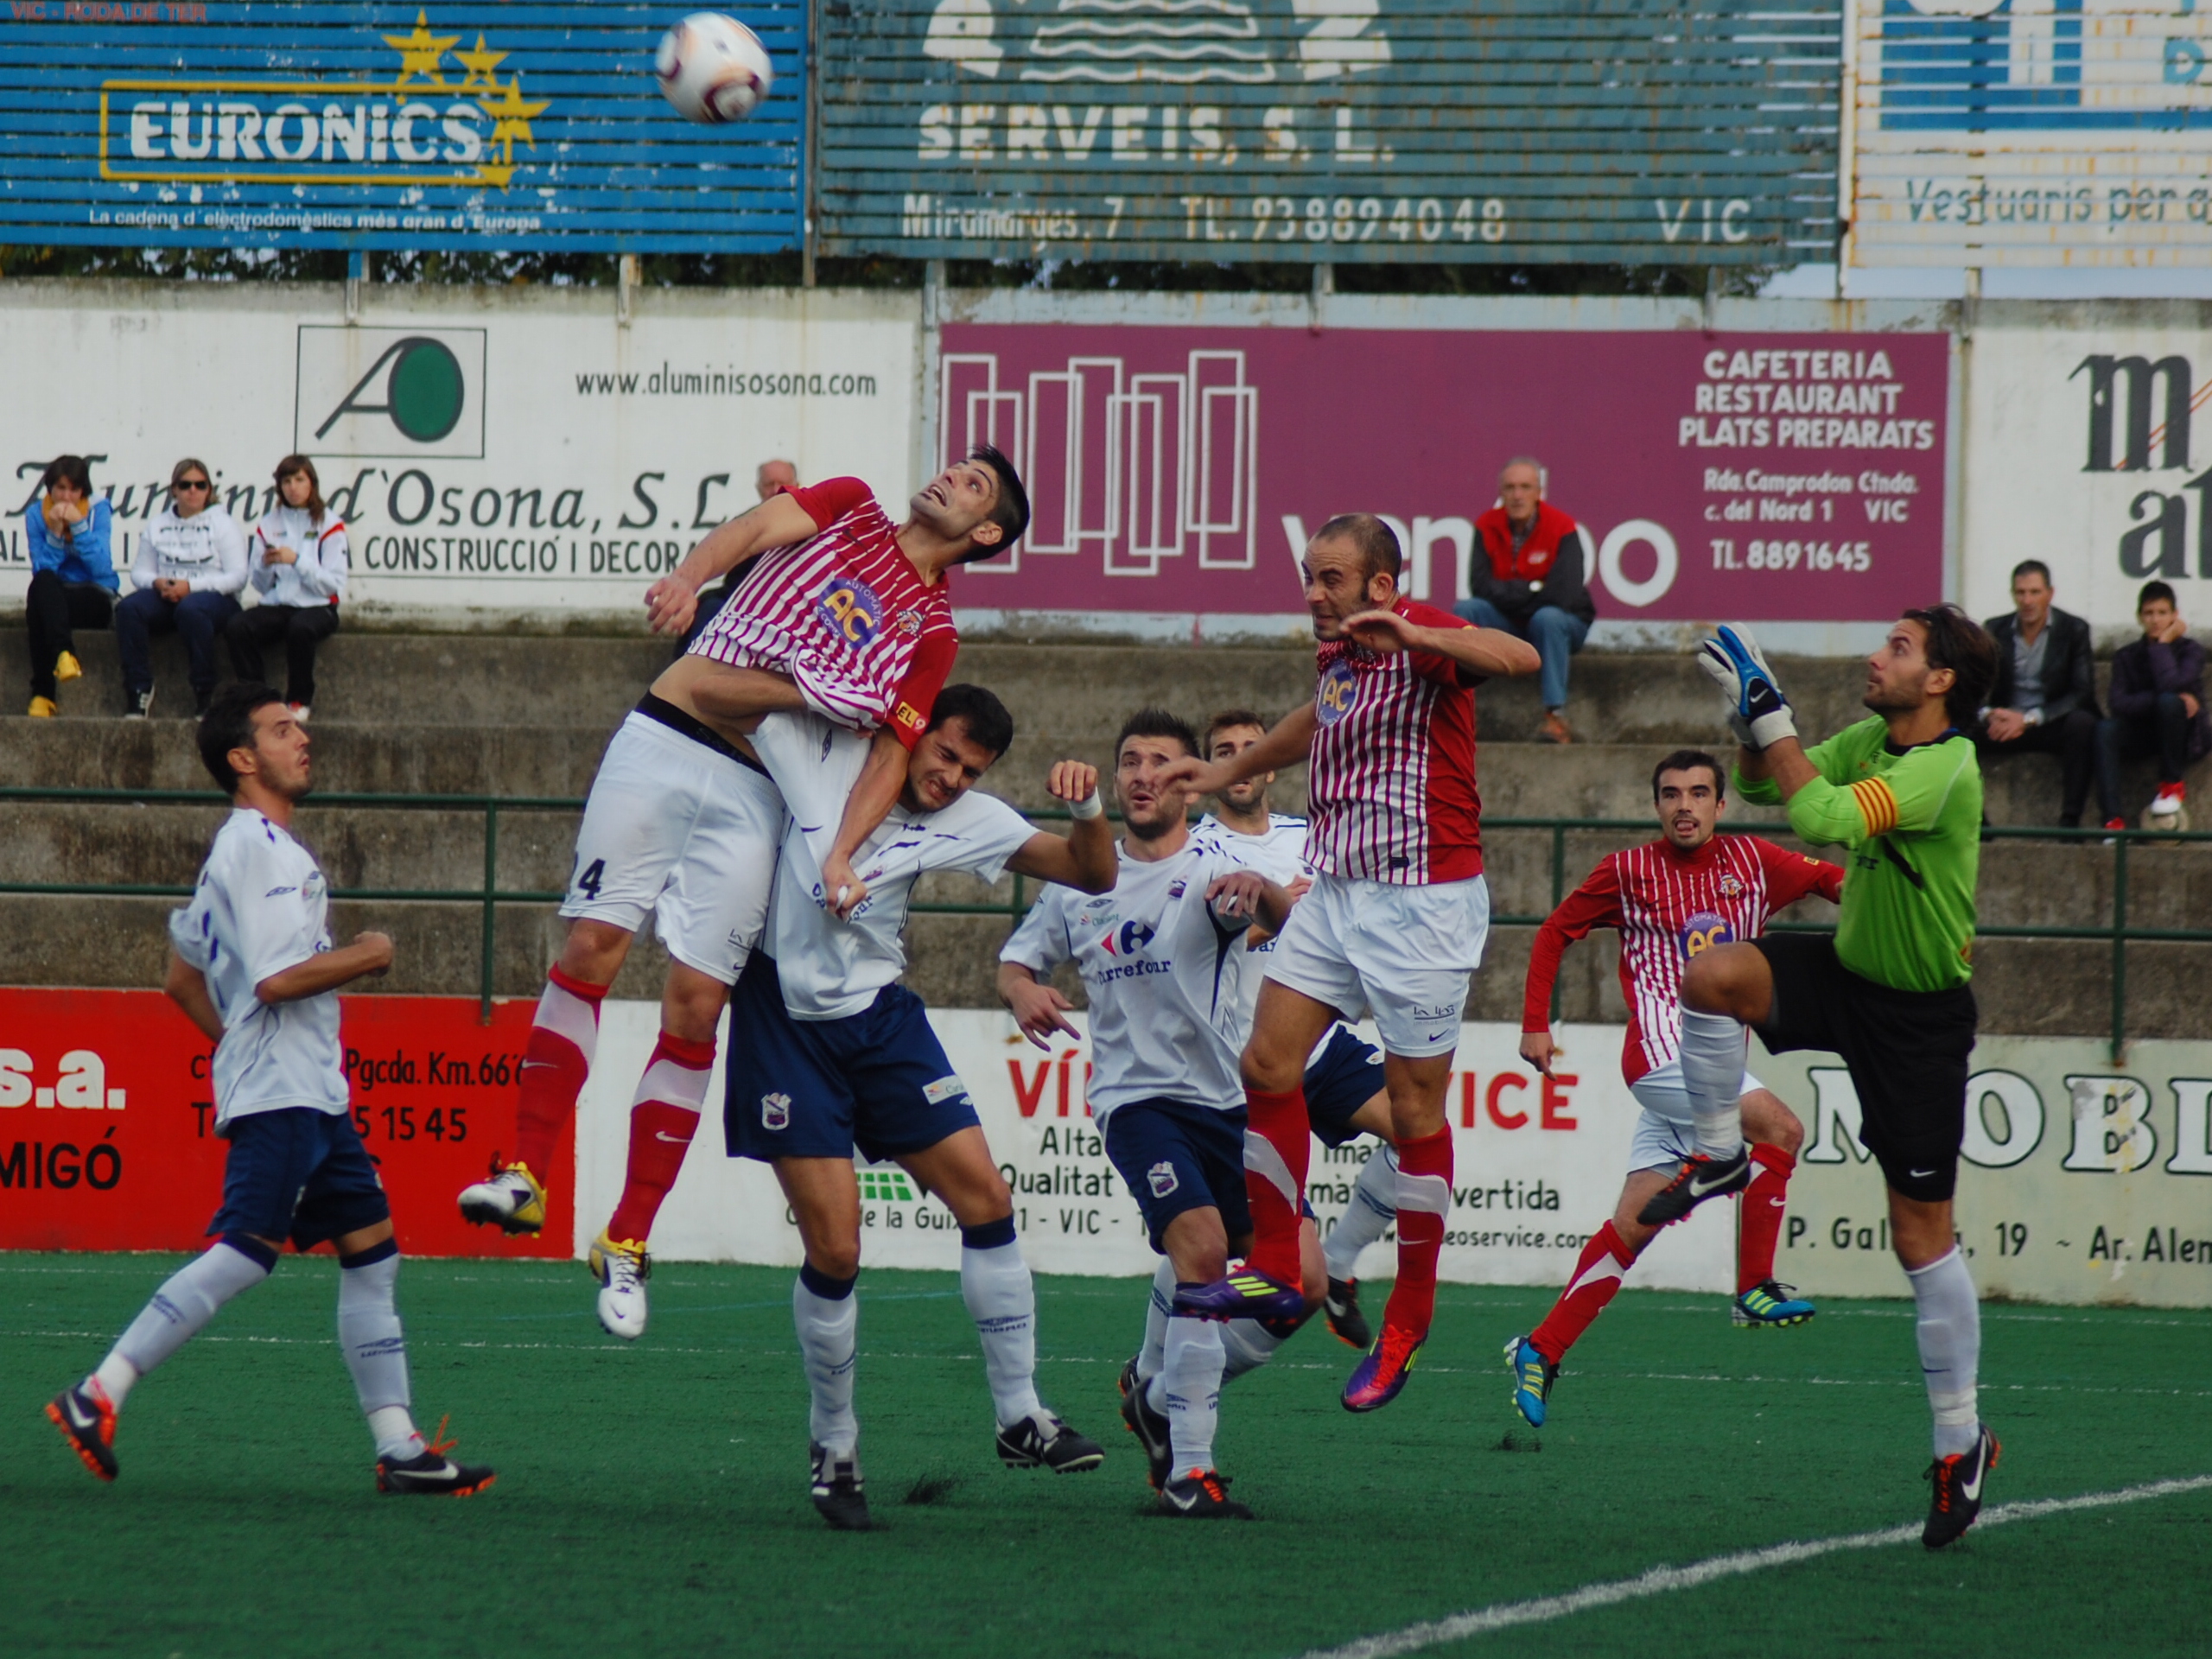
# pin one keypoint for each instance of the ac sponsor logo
(1337, 692)
(1704, 929)
(847, 607)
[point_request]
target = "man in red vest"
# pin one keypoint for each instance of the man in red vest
(1530, 576)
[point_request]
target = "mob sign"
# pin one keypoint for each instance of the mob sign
(2082, 1180)
(1180, 470)
(317, 123)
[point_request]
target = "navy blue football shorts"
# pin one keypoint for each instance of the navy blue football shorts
(1177, 1157)
(298, 1173)
(1348, 1075)
(878, 1080)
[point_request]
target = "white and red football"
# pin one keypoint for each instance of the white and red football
(713, 69)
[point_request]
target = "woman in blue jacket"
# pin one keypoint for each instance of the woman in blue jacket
(73, 575)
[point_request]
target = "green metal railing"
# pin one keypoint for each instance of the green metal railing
(2119, 933)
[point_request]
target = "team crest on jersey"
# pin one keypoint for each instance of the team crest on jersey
(1730, 887)
(775, 1111)
(909, 623)
(1336, 691)
(1161, 1178)
(847, 607)
(1177, 888)
(1127, 939)
(1702, 930)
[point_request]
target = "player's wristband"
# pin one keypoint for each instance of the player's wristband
(1090, 806)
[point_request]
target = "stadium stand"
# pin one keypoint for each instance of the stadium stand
(527, 716)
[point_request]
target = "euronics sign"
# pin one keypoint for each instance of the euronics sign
(322, 125)
(2031, 132)
(1530, 131)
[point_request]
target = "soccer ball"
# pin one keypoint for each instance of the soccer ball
(713, 68)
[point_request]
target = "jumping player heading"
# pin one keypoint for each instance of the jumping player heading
(1395, 924)
(1672, 900)
(1889, 991)
(842, 626)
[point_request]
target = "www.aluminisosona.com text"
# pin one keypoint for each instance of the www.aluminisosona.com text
(666, 382)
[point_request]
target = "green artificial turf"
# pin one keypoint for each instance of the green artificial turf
(652, 1498)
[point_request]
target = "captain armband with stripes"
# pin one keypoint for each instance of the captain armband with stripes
(1877, 806)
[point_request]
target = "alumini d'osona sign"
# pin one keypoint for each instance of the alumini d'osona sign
(317, 123)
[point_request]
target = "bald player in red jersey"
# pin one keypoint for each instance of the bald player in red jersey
(1394, 925)
(1671, 899)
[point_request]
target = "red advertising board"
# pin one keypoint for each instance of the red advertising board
(107, 1117)
(1177, 471)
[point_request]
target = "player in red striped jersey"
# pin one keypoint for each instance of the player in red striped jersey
(1671, 900)
(842, 627)
(1395, 924)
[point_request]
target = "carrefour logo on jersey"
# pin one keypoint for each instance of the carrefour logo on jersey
(1337, 692)
(847, 607)
(1702, 930)
(1127, 939)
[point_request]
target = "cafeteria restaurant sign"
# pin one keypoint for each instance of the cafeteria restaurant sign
(419, 127)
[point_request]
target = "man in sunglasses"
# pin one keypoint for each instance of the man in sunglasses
(191, 563)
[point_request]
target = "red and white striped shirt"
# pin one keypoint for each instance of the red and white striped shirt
(1668, 905)
(845, 615)
(1391, 781)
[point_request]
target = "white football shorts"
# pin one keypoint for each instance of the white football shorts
(1401, 953)
(1666, 1129)
(674, 829)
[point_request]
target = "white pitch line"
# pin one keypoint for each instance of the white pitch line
(1663, 1580)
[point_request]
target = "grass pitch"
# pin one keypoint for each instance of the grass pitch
(652, 1499)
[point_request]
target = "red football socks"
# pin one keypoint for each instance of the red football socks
(1760, 1224)
(1605, 1262)
(1278, 1143)
(1424, 1200)
(555, 1062)
(662, 1120)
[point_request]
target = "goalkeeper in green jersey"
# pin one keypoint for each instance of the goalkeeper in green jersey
(1890, 993)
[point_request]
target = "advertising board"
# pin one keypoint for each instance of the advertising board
(327, 124)
(1180, 470)
(534, 455)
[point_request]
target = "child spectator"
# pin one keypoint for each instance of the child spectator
(72, 575)
(190, 566)
(2157, 708)
(298, 557)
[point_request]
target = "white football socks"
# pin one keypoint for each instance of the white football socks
(1247, 1344)
(1152, 1356)
(181, 1309)
(1189, 1391)
(1002, 1301)
(829, 1328)
(376, 1353)
(1949, 1333)
(1374, 1206)
(1712, 1074)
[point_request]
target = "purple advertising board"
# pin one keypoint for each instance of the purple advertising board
(1177, 471)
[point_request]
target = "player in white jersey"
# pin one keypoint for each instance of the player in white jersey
(251, 965)
(1161, 957)
(841, 627)
(1672, 899)
(1345, 1096)
(828, 1052)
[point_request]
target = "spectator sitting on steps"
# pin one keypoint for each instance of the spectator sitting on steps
(1530, 576)
(190, 566)
(298, 557)
(2046, 697)
(72, 575)
(2157, 708)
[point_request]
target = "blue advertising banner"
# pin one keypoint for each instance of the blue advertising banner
(314, 123)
